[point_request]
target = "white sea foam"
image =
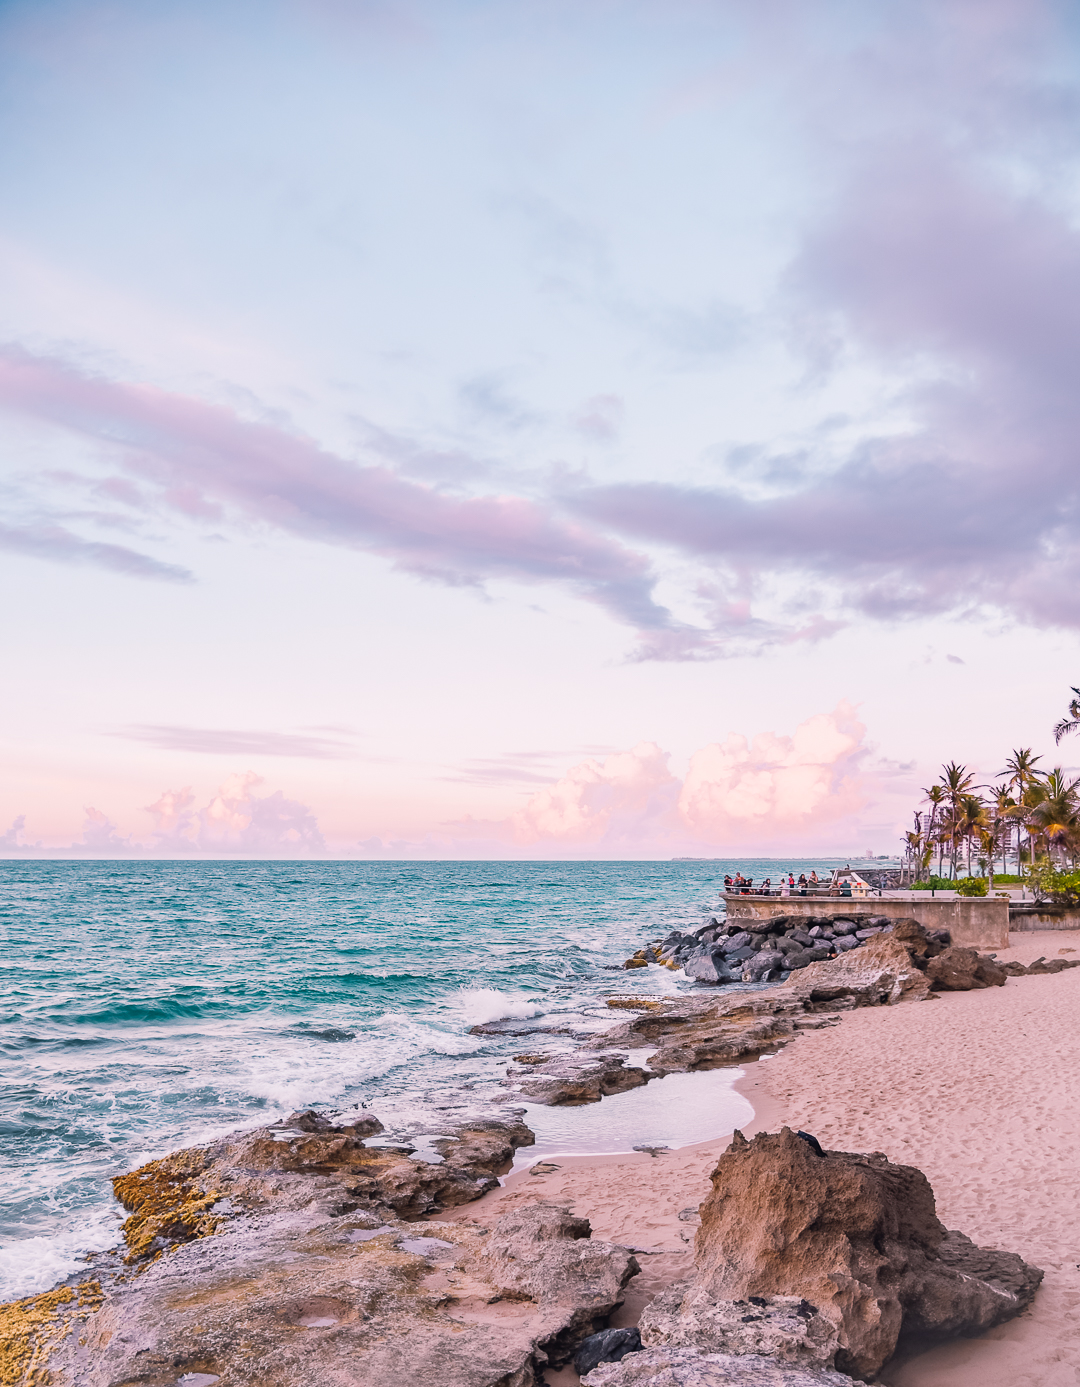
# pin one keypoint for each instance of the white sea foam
(479, 1005)
(32, 1265)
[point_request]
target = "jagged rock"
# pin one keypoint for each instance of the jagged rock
(304, 1159)
(855, 1236)
(920, 943)
(786, 1328)
(763, 963)
(609, 1346)
(686, 1367)
(286, 1301)
(572, 1079)
(957, 969)
(736, 941)
(881, 970)
(708, 967)
(542, 1252)
(693, 1033)
(1055, 965)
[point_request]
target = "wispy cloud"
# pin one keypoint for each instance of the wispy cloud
(223, 742)
(59, 545)
(196, 458)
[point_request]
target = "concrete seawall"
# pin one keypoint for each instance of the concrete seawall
(975, 921)
(1035, 917)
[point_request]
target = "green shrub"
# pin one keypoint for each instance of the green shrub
(935, 884)
(1051, 884)
(971, 886)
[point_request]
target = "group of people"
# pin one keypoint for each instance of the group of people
(785, 885)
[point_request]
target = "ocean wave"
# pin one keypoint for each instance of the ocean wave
(32, 1265)
(480, 1005)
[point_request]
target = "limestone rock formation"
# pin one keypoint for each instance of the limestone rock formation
(786, 1328)
(309, 1159)
(291, 1300)
(687, 1367)
(881, 971)
(962, 970)
(544, 1254)
(856, 1237)
(572, 1079)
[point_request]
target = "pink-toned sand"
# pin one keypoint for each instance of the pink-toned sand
(980, 1090)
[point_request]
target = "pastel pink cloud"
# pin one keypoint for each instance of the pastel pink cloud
(774, 788)
(595, 800)
(736, 789)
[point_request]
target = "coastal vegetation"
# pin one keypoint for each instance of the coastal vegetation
(1030, 816)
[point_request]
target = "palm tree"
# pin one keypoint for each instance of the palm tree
(1056, 816)
(1001, 804)
(1072, 722)
(973, 820)
(956, 781)
(936, 795)
(1020, 768)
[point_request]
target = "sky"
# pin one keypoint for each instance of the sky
(531, 429)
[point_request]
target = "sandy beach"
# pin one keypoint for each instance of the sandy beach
(977, 1089)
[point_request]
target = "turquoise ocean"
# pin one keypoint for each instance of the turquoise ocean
(153, 1005)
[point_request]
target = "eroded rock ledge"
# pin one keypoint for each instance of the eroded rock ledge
(291, 1299)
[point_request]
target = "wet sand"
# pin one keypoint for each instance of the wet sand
(979, 1090)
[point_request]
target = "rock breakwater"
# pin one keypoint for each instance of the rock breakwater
(769, 950)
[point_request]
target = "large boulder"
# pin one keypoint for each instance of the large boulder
(958, 969)
(688, 1367)
(854, 1236)
(708, 967)
(920, 943)
(881, 970)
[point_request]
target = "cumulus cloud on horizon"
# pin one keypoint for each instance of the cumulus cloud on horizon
(740, 794)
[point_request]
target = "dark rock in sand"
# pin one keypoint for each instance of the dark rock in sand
(845, 942)
(958, 969)
(609, 1346)
(1055, 965)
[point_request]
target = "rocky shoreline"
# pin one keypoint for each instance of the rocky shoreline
(292, 1253)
